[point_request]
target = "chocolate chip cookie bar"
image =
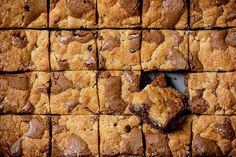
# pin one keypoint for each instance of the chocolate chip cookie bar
(24, 93)
(164, 50)
(23, 50)
(120, 136)
(115, 90)
(212, 93)
(175, 143)
(214, 136)
(72, 13)
(74, 92)
(118, 14)
(73, 50)
(119, 49)
(24, 135)
(164, 14)
(212, 50)
(75, 135)
(212, 13)
(158, 104)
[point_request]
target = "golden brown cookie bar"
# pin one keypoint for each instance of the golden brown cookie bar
(115, 90)
(72, 13)
(164, 14)
(23, 13)
(119, 49)
(213, 50)
(120, 135)
(24, 93)
(158, 104)
(214, 136)
(73, 50)
(164, 50)
(22, 50)
(74, 92)
(212, 93)
(24, 135)
(74, 135)
(175, 143)
(212, 13)
(118, 14)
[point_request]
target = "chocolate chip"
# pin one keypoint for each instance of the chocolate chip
(178, 38)
(130, 6)
(18, 81)
(80, 7)
(141, 110)
(155, 36)
(134, 41)
(231, 16)
(225, 130)
(221, 2)
(195, 63)
(110, 44)
(91, 62)
(159, 81)
(218, 40)
(114, 102)
(172, 11)
(76, 146)
(198, 105)
(16, 148)
(36, 128)
(231, 38)
(71, 104)
(28, 108)
(133, 80)
(19, 39)
(60, 83)
(146, 5)
(176, 58)
(83, 36)
(205, 147)
(127, 128)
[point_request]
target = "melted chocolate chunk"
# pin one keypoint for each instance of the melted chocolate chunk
(198, 105)
(178, 38)
(231, 16)
(83, 36)
(134, 41)
(146, 5)
(153, 36)
(71, 104)
(225, 130)
(60, 83)
(110, 44)
(19, 39)
(63, 63)
(159, 81)
(195, 63)
(177, 59)
(133, 80)
(218, 40)
(18, 81)
(231, 38)
(28, 108)
(130, 6)
(91, 62)
(80, 7)
(36, 128)
(16, 148)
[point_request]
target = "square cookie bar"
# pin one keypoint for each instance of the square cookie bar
(119, 49)
(120, 136)
(75, 135)
(24, 135)
(73, 50)
(22, 50)
(115, 90)
(23, 13)
(72, 13)
(164, 14)
(74, 92)
(175, 143)
(212, 50)
(214, 136)
(164, 50)
(118, 13)
(24, 93)
(212, 93)
(212, 13)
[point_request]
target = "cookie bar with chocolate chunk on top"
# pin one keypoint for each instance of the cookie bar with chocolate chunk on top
(212, 13)
(23, 13)
(24, 93)
(23, 50)
(158, 104)
(214, 136)
(74, 135)
(164, 50)
(119, 49)
(212, 93)
(24, 135)
(175, 143)
(73, 50)
(120, 136)
(74, 92)
(118, 13)
(72, 14)
(115, 90)
(212, 50)
(164, 14)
